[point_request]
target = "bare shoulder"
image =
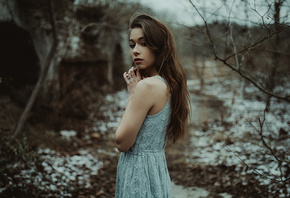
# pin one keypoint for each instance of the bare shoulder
(152, 82)
(153, 85)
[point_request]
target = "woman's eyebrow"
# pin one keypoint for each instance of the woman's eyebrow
(138, 39)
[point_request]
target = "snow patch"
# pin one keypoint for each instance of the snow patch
(65, 134)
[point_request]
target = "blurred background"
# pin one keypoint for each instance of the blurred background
(62, 95)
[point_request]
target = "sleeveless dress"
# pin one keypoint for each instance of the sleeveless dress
(142, 170)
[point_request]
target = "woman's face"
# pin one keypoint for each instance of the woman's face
(142, 55)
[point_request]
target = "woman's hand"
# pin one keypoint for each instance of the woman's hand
(132, 78)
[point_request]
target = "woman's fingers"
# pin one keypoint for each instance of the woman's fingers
(126, 77)
(131, 72)
(133, 76)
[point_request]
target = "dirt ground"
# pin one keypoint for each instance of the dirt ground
(188, 178)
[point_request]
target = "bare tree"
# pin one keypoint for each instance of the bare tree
(235, 54)
(43, 74)
(276, 55)
(261, 46)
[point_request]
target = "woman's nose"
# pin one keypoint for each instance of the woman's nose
(136, 50)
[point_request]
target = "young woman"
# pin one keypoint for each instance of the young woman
(157, 111)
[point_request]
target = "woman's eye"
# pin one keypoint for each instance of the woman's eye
(132, 45)
(143, 44)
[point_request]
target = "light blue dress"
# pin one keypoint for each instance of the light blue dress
(142, 170)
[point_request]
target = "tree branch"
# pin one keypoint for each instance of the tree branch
(260, 131)
(237, 69)
(252, 46)
(250, 79)
(94, 24)
(235, 47)
(207, 29)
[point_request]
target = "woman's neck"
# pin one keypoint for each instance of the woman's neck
(151, 72)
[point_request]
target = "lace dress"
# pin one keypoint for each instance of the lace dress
(142, 170)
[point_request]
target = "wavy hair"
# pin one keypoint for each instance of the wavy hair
(160, 40)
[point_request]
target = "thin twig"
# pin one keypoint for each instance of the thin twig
(254, 170)
(262, 138)
(207, 29)
(104, 24)
(235, 48)
(237, 69)
(253, 81)
(252, 46)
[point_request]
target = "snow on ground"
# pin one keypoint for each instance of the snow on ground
(65, 134)
(237, 144)
(179, 191)
(119, 101)
(57, 174)
(240, 143)
(61, 172)
(112, 109)
(243, 146)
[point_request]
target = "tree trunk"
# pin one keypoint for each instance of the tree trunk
(271, 80)
(42, 77)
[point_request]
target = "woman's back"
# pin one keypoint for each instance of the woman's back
(142, 170)
(151, 136)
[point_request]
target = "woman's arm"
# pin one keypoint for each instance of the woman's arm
(140, 102)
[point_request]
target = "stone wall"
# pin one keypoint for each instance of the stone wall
(83, 39)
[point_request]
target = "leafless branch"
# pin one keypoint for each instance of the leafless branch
(94, 24)
(207, 29)
(248, 48)
(266, 145)
(252, 46)
(244, 74)
(249, 167)
(262, 16)
(283, 178)
(260, 131)
(235, 48)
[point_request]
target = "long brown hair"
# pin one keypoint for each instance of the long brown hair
(160, 40)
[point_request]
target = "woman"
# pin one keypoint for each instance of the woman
(157, 111)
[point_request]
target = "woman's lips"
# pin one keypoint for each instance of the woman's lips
(138, 61)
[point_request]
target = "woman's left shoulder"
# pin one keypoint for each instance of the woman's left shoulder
(153, 81)
(155, 84)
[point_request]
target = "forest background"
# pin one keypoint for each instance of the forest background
(62, 95)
